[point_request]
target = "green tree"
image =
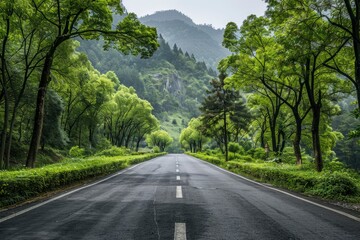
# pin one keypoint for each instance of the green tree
(216, 110)
(192, 137)
(160, 139)
(344, 15)
(127, 118)
(66, 20)
(310, 51)
(280, 84)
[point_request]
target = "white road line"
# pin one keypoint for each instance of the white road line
(64, 195)
(286, 193)
(177, 165)
(178, 178)
(177, 170)
(180, 231)
(179, 192)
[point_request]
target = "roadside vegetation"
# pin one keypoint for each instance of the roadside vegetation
(285, 106)
(335, 182)
(19, 185)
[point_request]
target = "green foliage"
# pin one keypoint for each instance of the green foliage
(17, 186)
(114, 151)
(338, 185)
(160, 139)
(76, 151)
(192, 137)
(257, 153)
(287, 155)
(103, 144)
(38, 52)
(170, 82)
(211, 159)
(53, 134)
(156, 149)
(335, 185)
(223, 109)
(235, 147)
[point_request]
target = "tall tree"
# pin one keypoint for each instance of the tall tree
(68, 19)
(307, 37)
(258, 47)
(217, 107)
(345, 16)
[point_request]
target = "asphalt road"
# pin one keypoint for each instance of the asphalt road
(161, 199)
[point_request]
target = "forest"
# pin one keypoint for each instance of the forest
(52, 98)
(290, 86)
(87, 78)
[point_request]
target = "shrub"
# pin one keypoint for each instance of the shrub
(247, 158)
(234, 147)
(76, 151)
(257, 153)
(114, 151)
(16, 186)
(247, 145)
(156, 149)
(103, 144)
(288, 155)
(335, 165)
(335, 185)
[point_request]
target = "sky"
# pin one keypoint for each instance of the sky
(215, 12)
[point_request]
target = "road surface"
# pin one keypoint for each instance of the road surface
(177, 197)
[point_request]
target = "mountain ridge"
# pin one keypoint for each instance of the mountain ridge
(204, 41)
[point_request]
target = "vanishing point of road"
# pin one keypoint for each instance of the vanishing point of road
(177, 197)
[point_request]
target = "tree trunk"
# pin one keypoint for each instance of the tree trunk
(79, 139)
(273, 137)
(283, 141)
(40, 108)
(316, 139)
(225, 138)
(356, 46)
(5, 93)
(3, 163)
(296, 143)
(38, 120)
(137, 145)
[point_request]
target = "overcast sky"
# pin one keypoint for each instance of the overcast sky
(215, 12)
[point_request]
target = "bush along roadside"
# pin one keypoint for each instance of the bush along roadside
(18, 186)
(335, 185)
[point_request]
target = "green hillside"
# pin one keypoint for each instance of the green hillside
(201, 40)
(173, 81)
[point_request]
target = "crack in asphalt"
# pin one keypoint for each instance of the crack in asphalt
(155, 216)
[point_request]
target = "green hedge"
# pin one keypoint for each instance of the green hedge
(335, 185)
(17, 186)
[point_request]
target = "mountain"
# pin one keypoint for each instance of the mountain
(174, 82)
(203, 41)
(176, 78)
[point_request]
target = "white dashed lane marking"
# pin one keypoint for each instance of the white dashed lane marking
(180, 231)
(179, 192)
